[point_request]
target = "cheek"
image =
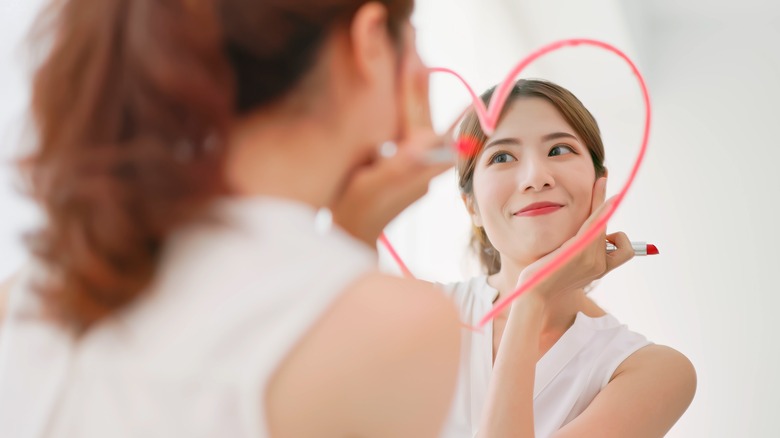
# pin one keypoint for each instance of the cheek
(584, 206)
(491, 191)
(581, 184)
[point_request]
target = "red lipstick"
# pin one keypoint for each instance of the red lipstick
(539, 208)
(640, 248)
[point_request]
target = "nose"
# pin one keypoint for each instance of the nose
(535, 175)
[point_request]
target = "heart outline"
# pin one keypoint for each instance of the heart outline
(488, 118)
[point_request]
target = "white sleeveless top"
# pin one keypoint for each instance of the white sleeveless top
(192, 358)
(568, 376)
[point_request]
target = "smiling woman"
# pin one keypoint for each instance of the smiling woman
(555, 363)
(557, 108)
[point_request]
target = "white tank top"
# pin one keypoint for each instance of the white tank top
(193, 357)
(568, 376)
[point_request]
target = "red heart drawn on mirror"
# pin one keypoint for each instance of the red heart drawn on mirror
(488, 118)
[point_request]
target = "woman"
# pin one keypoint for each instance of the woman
(179, 287)
(554, 363)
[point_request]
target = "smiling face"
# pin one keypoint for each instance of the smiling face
(532, 182)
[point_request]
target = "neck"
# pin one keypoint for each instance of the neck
(560, 311)
(281, 155)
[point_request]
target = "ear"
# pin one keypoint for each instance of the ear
(473, 209)
(370, 40)
(606, 172)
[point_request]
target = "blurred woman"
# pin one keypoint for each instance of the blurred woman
(179, 286)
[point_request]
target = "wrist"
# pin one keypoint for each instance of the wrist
(530, 302)
(539, 294)
(526, 314)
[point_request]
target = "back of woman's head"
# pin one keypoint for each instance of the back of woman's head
(131, 106)
(572, 110)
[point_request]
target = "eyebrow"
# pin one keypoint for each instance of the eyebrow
(557, 135)
(545, 138)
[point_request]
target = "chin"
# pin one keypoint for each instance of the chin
(549, 242)
(532, 253)
(544, 252)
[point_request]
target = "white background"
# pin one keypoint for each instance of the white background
(707, 194)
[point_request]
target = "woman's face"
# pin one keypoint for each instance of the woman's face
(533, 182)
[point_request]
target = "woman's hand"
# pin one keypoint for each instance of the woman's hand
(377, 193)
(381, 190)
(590, 264)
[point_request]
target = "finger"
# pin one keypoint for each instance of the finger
(438, 150)
(423, 91)
(420, 106)
(415, 88)
(596, 215)
(599, 193)
(597, 208)
(623, 252)
(425, 152)
(418, 147)
(432, 170)
(409, 164)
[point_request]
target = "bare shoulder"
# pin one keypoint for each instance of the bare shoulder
(381, 362)
(646, 396)
(664, 365)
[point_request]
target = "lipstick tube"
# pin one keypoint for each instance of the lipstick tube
(640, 248)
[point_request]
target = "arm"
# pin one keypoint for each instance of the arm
(647, 394)
(666, 381)
(509, 406)
(381, 363)
(509, 410)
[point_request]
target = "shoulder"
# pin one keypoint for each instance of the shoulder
(381, 362)
(647, 394)
(662, 365)
(396, 309)
(665, 377)
(401, 292)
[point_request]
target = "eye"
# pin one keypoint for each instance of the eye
(561, 149)
(501, 157)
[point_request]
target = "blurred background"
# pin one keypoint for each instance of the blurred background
(706, 194)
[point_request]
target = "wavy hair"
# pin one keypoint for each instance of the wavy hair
(131, 105)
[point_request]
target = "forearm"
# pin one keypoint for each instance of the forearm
(508, 411)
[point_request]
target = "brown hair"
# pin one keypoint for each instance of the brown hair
(576, 115)
(131, 107)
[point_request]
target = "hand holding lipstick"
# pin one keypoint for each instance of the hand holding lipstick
(399, 171)
(592, 263)
(640, 248)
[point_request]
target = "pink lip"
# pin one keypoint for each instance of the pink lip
(538, 209)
